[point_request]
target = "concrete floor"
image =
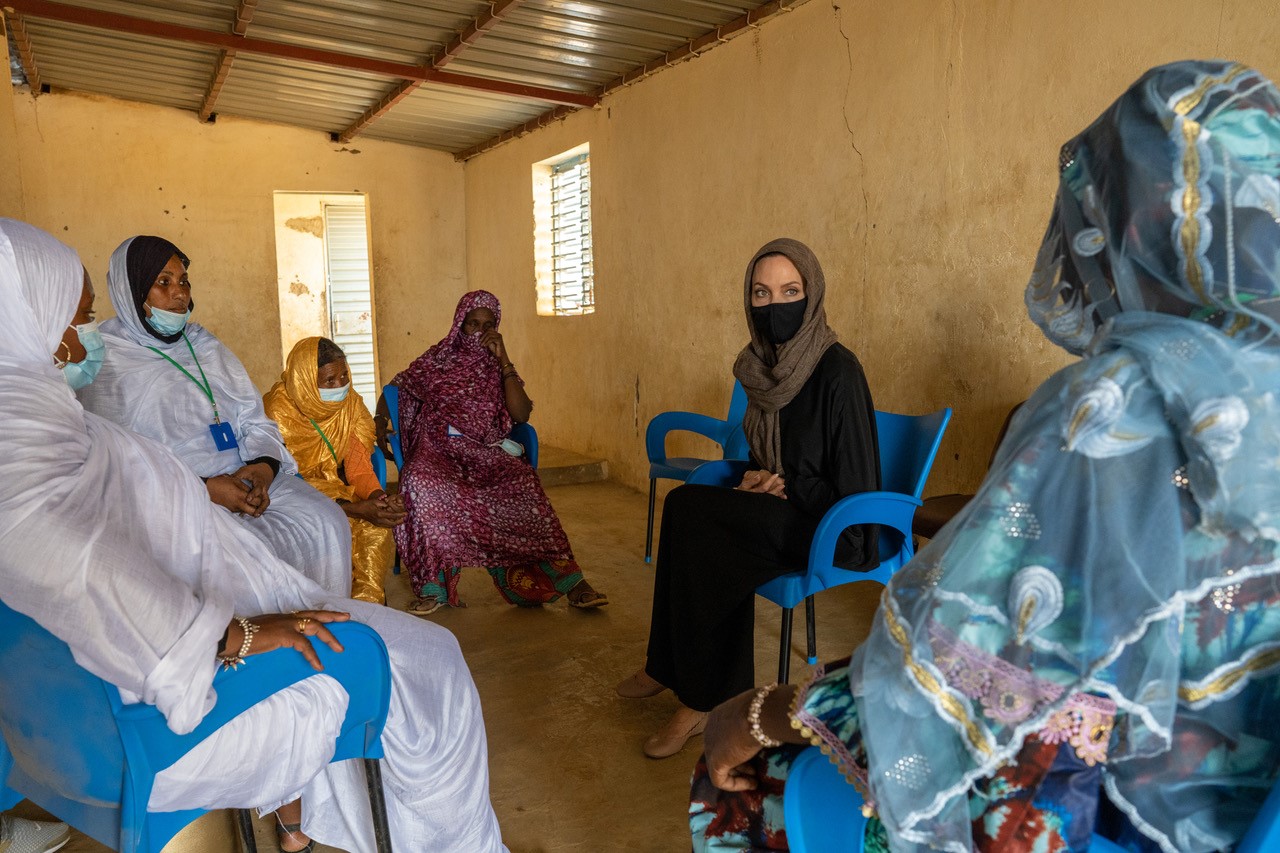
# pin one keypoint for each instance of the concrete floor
(567, 773)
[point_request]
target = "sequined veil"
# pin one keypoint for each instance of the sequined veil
(1123, 548)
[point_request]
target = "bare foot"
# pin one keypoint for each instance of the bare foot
(671, 738)
(639, 686)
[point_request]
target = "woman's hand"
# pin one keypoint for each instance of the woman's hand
(729, 746)
(227, 491)
(765, 483)
(259, 477)
(383, 510)
(288, 631)
(492, 341)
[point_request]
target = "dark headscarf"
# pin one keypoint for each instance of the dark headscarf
(772, 376)
(146, 258)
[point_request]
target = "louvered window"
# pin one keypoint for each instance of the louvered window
(573, 276)
(350, 303)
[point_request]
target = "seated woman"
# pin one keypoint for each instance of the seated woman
(1091, 644)
(111, 543)
(811, 428)
(173, 381)
(471, 500)
(329, 432)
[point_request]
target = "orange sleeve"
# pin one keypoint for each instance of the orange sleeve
(359, 470)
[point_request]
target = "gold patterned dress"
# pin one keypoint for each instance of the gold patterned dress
(332, 443)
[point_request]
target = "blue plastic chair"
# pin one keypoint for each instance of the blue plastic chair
(908, 445)
(822, 813)
(727, 433)
(78, 752)
(523, 434)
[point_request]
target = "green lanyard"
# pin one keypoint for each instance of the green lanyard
(326, 440)
(203, 386)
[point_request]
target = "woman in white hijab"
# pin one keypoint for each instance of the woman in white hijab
(149, 600)
(174, 381)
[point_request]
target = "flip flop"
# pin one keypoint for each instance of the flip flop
(424, 606)
(589, 600)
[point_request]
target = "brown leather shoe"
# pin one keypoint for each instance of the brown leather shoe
(672, 737)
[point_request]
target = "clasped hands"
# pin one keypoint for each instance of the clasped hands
(763, 482)
(244, 492)
(380, 508)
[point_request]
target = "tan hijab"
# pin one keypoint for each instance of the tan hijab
(772, 376)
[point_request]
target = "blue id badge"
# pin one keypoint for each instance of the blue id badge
(223, 437)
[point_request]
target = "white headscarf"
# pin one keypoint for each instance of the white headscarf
(106, 538)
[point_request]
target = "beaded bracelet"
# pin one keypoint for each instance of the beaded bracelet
(753, 717)
(249, 630)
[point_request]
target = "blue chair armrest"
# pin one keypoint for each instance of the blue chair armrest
(655, 435)
(379, 463)
(720, 472)
(888, 509)
(363, 668)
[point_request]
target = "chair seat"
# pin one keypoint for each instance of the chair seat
(674, 468)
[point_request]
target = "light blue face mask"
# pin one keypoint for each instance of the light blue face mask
(79, 374)
(335, 395)
(167, 322)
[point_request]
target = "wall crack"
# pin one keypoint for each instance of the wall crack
(853, 143)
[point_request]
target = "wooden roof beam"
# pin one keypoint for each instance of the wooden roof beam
(25, 55)
(244, 44)
(483, 23)
(244, 15)
(688, 50)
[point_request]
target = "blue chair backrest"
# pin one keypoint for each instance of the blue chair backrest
(527, 437)
(391, 394)
(379, 467)
(55, 683)
(908, 445)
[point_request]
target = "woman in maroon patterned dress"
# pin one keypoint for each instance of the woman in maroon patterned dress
(470, 501)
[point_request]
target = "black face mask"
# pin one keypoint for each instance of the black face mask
(778, 322)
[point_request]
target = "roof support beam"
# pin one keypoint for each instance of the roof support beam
(446, 54)
(28, 59)
(244, 14)
(242, 44)
(688, 50)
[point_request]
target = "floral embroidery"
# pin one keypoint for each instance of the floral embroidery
(1009, 695)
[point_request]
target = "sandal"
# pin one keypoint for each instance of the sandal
(586, 599)
(287, 830)
(424, 606)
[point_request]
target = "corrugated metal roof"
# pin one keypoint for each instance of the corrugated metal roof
(136, 68)
(550, 48)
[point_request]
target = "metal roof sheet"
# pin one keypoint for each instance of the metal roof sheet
(343, 66)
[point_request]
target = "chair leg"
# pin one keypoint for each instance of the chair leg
(784, 647)
(378, 803)
(248, 841)
(648, 535)
(812, 626)
(395, 568)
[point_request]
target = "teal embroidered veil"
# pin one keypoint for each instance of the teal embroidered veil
(1124, 543)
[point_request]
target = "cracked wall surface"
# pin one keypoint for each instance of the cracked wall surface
(912, 144)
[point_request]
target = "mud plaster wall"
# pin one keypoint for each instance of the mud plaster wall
(95, 170)
(912, 144)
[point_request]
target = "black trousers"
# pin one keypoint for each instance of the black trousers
(717, 545)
